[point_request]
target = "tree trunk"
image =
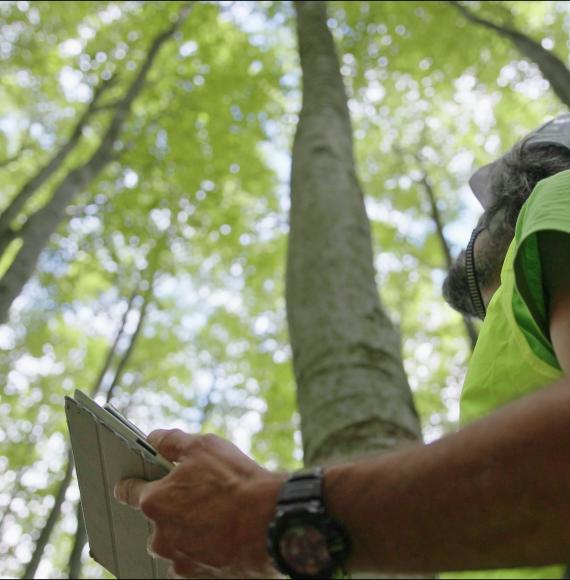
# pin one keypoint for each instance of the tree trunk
(42, 224)
(425, 181)
(552, 68)
(353, 393)
(147, 298)
(43, 539)
(75, 562)
(45, 172)
(114, 347)
(53, 517)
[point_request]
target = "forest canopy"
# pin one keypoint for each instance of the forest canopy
(145, 152)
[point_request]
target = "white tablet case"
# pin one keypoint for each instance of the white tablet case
(117, 533)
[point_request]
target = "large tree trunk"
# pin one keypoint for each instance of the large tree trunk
(43, 223)
(552, 68)
(353, 394)
(7, 234)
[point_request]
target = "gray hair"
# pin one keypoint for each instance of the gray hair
(520, 170)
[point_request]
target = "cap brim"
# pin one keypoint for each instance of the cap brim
(480, 184)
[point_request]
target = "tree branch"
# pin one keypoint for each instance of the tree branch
(147, 299)
(132, 344)
(435, 213)
(425, 181)
(113, 349)
(43, 175)
(552, 68)
(43, 223)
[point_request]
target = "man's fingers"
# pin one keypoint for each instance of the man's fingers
(130, 491)
(160, 544)
(171, 573)
(171, 443)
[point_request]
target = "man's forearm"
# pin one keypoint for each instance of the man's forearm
(493, 495)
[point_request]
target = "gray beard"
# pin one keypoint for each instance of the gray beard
(488, 266)
(455, 288)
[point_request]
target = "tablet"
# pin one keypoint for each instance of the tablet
(107, 447)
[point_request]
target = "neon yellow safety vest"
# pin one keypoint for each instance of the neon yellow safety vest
(514, 356)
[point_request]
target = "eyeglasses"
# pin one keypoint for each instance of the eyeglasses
(472, 284)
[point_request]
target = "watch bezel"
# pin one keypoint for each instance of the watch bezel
(336, 538)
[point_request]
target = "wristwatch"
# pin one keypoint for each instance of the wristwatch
(302, 540)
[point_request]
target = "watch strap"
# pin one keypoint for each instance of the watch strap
(302, 486)
(302, 493)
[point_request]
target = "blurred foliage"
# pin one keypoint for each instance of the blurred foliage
(202, 181)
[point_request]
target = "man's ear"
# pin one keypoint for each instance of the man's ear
(554, 247)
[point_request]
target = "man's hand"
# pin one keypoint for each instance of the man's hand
(211, 512)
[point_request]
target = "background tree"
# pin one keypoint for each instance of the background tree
(550, 65)
(38, 227)
(204, 160)
(352, 389)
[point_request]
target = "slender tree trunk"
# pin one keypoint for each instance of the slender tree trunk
(114, 347)
(147, 299)
(47, 171)
(426, 183)
(75, 563)
(43, 223)
(552, 68)
(353, 394)
(55, 513)
(43, 539)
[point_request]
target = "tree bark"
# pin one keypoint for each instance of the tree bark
(552, 68)
(353, 393)
(42, 176)
(42, 224)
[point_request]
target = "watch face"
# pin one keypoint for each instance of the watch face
(304, 549)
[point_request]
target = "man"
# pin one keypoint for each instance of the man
(493, 495)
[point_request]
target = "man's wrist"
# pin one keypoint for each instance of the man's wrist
(261, 495)
(303, 540)
(339, 501)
